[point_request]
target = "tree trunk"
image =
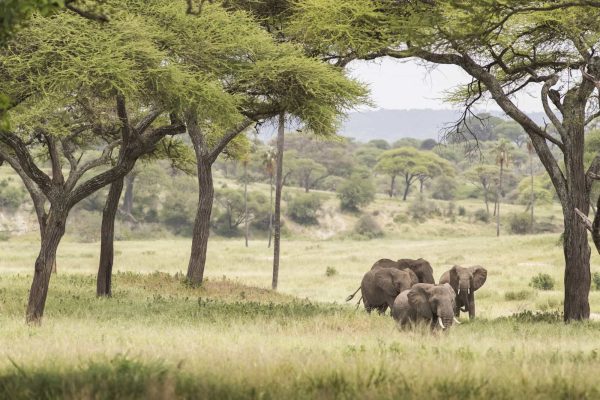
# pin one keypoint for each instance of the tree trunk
(532, 200)
(107, 236)
(485, 199)
(195, 272)
(55, 229)
(392, 184)
(270, 211)
(406, 189)
(128, 198)
(576, 248)
(246, 202)
(498, 197)
(421, 186)
(278, 189)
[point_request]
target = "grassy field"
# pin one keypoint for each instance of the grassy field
(233, 338)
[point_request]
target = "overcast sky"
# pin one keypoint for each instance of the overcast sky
(398, 84)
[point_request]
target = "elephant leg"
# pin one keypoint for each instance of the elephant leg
(382, 309)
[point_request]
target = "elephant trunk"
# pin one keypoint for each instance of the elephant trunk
(445, 316)
(463, 297)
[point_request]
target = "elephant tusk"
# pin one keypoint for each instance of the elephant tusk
(441, 323)
(456, 321)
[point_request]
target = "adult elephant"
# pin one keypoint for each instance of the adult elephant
(420, 267)
(426, 302)
(465, 281)
(380, 286)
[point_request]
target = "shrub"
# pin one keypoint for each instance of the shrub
(229, 213)
(519, 295)
(519, 223)
(443, 188)
(10, 197)
(462, 211)
(482, 215)
(4, 236)
(367, 227)
(420, 209)
(530, 316)
(542, 282)
(596, 280)
(303, 208)
(330, 271)
(400, 218)
(356, 192)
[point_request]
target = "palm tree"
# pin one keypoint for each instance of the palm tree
(502, 157)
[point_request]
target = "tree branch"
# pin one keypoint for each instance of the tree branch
(228, 137)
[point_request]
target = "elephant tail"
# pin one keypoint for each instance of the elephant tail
(358, 304)
(352, 295)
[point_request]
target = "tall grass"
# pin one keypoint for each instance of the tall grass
(232, 338)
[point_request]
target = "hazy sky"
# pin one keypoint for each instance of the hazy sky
(398, 84)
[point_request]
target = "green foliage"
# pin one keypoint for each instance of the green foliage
(481, 215)
(412, 164)
(356, 192)
(303, 208)
(11, 197)
(462, 211)
(542, 282)
(331, 271)
(229, 213)
(179, 213)
(529, 316)
(519, 295)
(543, 192)
(596, 280)
(367, 227)
(519, 223)
(443, 188)
(420, 209)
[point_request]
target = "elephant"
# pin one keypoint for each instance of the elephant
(380, 286)
(428, 303)
(465, 281)
(420, 267)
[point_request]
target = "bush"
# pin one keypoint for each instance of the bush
(367, 227)
(10, 197)
(482, 215)
(462, 211)
(596, 280)
(400, 218)
(542, 282)
(356, 192)
(4, 236)
(519, 223)
(420, 209)
(330, 271)
(518, 296)
(229, 212)
(303, 208)
(443, 188)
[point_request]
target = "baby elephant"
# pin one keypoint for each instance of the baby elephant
(426, 302)
(380, 286)
(465, 281)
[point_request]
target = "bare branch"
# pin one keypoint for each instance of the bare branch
(584, 218)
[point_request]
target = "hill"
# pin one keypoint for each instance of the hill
(392, 125)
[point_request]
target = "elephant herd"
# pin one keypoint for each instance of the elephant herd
(408, 288)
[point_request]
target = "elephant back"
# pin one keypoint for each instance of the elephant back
(421, 267)
(385, 263)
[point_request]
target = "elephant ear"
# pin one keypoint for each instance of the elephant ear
(418, 298)
(479, 276)
(414, 279)
(385, 281)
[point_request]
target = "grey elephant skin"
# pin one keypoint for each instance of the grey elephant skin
(420, 267)
(425, 302)
(380, 286)
(465, 281)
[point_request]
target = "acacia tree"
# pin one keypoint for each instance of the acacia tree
(413, 165)
(74, 107)
(485, 177)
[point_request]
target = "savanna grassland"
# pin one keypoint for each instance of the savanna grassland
(232, 338)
